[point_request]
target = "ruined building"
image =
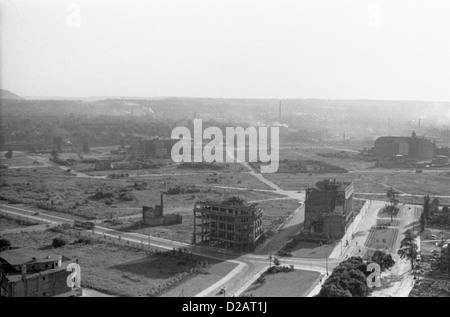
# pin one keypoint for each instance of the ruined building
(103, 165)
(154, 148)
(232, 224)
(404, 150)
(328, 210)
(27, 273)
(155, 216)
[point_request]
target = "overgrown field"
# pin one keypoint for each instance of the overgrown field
(122, 270)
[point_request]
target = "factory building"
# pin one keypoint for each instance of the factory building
(404, 150)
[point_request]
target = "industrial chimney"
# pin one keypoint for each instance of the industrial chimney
(279, 114)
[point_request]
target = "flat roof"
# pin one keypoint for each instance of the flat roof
(16, 277)
(24, 256)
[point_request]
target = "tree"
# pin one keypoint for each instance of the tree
(384, 260)
(333, 290)
(55, 155)
(392, 196)
(435, 204)
(9, 154)
(423, 222)
(426, 207)
(408, 248)
(446, 209)
(349, 279)
(276, 261)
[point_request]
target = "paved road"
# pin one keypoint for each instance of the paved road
(250, 266)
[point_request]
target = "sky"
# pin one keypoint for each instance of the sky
(326, 49)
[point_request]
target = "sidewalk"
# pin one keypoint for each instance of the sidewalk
(360, 229)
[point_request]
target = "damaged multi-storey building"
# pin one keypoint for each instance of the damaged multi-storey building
(232, 224)
(328, 210)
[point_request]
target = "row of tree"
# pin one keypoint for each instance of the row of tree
(349, 279)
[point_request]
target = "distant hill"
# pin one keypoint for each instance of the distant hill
(6, 94)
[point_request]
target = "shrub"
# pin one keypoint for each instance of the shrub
(58, 242)
(276, 261)
(4, 243)
(283, 253)
(84, 240)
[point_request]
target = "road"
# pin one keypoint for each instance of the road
(249, 266)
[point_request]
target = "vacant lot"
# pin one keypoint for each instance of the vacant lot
(19, 159)
(7, 223)
(351, 161)
(120, 270)
(52, 188)
(292, 284)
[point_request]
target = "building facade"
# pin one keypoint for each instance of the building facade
(27, 273)
(407, 149)
(328, 209)
(232, 224)
(155, 148)
(154, 216)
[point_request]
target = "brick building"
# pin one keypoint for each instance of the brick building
(408, 149)
(232, 224)
(328, 209)
(154, 216)
(27, 273)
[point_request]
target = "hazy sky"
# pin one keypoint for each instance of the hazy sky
(343, 49)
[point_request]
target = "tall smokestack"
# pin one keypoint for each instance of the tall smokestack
(279, 113)
(162, 203)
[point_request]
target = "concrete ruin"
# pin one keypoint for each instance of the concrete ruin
(328, 210)
(232, 224)
(155, 216)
